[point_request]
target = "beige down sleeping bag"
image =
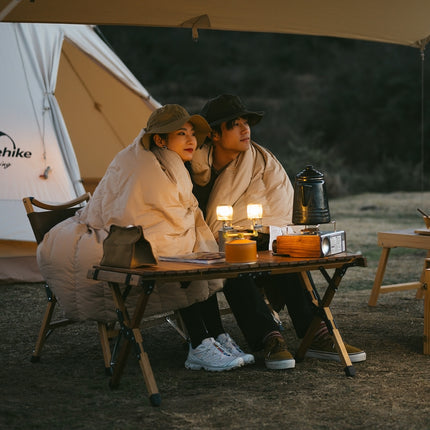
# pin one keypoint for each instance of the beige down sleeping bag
(148, 188)
(255, 176)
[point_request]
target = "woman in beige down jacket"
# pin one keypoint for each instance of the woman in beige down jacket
(146, 184)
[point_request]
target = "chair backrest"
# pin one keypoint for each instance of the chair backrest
(42, 221)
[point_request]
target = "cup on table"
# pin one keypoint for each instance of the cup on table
(427, 221)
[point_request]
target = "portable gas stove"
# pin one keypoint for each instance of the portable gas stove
(310, 242)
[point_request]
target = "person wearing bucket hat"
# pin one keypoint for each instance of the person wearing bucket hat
(170, 118)
(227, 107)
(210, 347)
(146, 184)
(231, 169)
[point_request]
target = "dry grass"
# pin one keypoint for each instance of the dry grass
(363, 216)
(68, 388)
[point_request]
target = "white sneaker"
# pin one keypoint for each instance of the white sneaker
(232, 347)
(210, 355)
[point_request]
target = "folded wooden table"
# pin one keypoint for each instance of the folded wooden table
(147, 277)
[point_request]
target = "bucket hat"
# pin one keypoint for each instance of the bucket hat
(171, 117)
(227, 107)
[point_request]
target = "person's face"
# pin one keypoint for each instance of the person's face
(234, 140)
(182, 141)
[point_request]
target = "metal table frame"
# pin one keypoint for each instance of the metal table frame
(146, 277)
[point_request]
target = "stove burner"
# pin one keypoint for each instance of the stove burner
(310, 230)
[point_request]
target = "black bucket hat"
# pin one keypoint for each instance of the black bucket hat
(227, 107)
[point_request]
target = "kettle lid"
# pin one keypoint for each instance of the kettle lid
(309, 173)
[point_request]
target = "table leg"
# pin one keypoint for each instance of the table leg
(421, 291)
(145, 366)
(339, 344)
(323, 313)
(379, 276)
(426, 349)
(316, 321)
(133, 337)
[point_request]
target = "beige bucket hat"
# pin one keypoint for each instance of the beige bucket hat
(170, 118)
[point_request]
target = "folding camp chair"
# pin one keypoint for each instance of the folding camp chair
(41, 222)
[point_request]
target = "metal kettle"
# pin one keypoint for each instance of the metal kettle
(310, 198)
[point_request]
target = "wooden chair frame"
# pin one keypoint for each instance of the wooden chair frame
(41, 222)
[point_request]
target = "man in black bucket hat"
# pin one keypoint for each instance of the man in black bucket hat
(227, 107)
(231, 169)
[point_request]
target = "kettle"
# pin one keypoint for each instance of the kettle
(310, 198)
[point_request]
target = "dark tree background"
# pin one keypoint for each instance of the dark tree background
(350, 108)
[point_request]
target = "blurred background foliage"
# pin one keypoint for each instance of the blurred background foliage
(350, 108)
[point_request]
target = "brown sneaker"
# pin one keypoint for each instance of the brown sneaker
(324, 349)
(276, 355)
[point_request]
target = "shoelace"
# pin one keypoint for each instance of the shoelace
(221, 348)
(230, 345)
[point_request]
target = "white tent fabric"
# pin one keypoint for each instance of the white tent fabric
(389, 21)
(30, 120)
(35, 135)
(68, 105)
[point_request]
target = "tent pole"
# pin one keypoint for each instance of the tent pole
(422, 116)
(6, 10)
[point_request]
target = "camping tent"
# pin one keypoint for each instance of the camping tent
(68, 105)
(390, 21)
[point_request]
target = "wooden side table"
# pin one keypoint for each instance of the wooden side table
(426, 349)
(395, 239)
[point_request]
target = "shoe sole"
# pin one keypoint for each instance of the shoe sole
(249, 360)
(355, 358)
(210, 369)
(195, 366)
(281, 364)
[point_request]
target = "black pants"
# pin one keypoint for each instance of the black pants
(202, 320)
(253, 315)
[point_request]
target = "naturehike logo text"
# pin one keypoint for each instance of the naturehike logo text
(12, 152)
